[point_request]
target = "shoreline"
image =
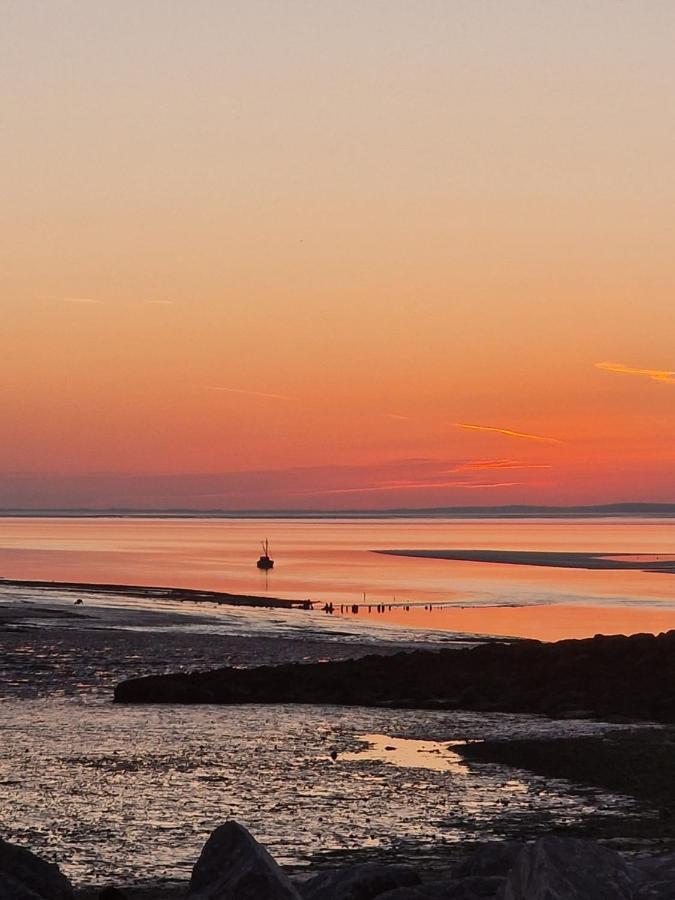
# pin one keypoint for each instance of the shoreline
(193, 595)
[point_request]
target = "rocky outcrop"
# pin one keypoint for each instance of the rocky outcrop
(628, 677)
(359, 882)
(234, 866)
(24, 876)
(566, 869)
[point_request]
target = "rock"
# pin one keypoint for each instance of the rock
(359, 882)
(112, 893)
(626, 677)
(494, 858)
(24, 876)
(657, 877)
(472, 888)
(568, 869)
(234, 866)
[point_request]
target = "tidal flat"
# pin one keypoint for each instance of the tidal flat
(128, 795)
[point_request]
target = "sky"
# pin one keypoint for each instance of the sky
(336, 255)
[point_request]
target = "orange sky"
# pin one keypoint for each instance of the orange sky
(260, 255)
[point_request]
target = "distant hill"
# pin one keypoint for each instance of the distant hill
(513, 511)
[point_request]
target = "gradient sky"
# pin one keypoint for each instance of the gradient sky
(336, 255)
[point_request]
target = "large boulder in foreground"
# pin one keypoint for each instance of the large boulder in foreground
(471, 888)
(234, 866)
(656, 878)
(568, 869)
(363, 881)
(492, 858)
(24, 876)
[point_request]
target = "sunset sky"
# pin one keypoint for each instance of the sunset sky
(336, 254)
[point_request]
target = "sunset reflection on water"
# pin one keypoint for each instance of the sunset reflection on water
(330, 560)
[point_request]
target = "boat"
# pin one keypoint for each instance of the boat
(265, 561)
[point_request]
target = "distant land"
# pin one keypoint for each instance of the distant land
(514, 511)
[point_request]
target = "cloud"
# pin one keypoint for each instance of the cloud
(228, 390)
(474, 465)
(664, 376)
(522, 435)
(159, 302)
(417, 485)
(396, 416)
(72, 299)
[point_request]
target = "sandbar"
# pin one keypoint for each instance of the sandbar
(644, 562)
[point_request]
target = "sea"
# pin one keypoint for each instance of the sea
(128, 795)
(331, 560)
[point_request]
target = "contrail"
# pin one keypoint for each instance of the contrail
(228, 390)
(509, 433)
(664, 376)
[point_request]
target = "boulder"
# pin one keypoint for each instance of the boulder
(24, 876)
(360, 882)
(472, 888)
(234, 866)
(568, 869)
(494, 858)
(657, 878)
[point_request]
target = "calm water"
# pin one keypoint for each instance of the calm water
(332, 560)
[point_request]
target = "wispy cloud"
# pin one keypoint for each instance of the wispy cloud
(71, 299)
(416, 485)
(396, 416)
(478, 465)
(158, 302)
(522, 435)
(662, 375)
(229, 390)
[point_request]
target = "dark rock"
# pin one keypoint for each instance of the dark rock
(568, 869)
(111, 893)
(359, 882)
(495, 858)
(477, 888)
(24, 876)
(625, 677)
(657, 878)
(234, 866)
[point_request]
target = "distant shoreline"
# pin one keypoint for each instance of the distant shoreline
(645, 562)
(513, 511)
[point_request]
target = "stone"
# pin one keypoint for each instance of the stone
(568, 869)
(657, 878)
(359, 882)
(493, 858)
(24, 876)
(234, 866)
(472, 888)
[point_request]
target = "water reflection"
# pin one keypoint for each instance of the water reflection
(132, 793)
(407, 753)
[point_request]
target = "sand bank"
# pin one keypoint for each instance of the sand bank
(644, 562)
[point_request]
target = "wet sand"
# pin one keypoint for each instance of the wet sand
(157, 593)
(643, 562)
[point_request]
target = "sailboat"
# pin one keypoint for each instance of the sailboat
(265, 562)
